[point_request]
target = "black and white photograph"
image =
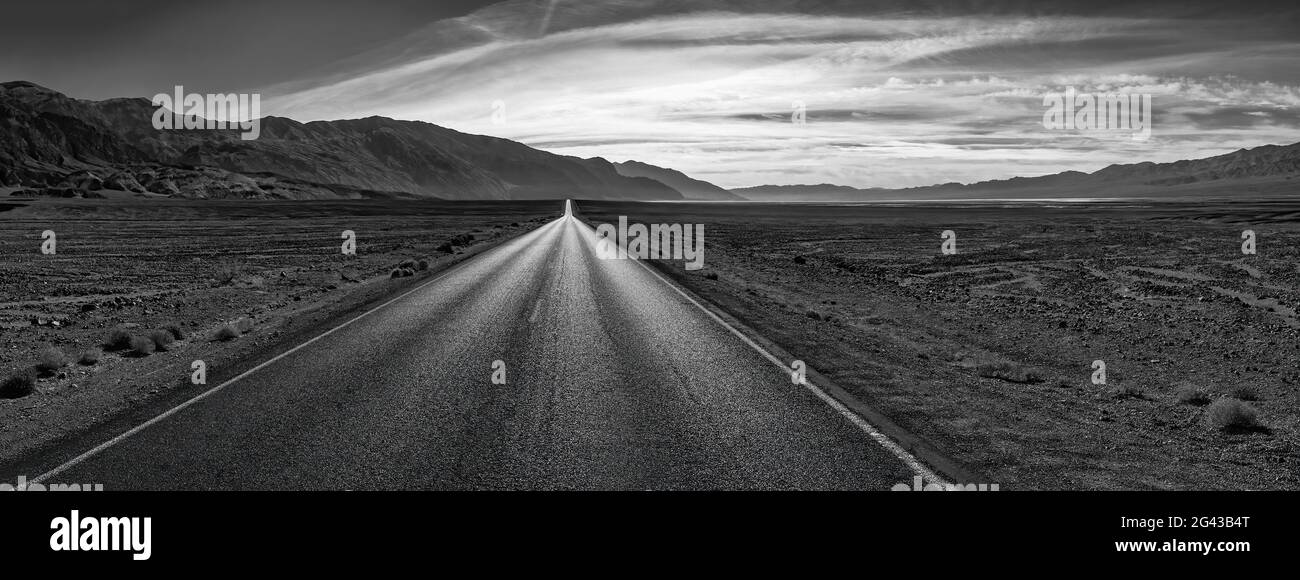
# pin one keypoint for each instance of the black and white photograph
(1046, 254)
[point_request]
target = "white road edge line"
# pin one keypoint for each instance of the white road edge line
(910, 460)
(205, 394)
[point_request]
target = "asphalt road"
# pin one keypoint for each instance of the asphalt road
(613, 381)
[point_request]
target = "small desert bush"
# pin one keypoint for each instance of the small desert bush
(175, 331)
(1008, 371)
(90, 357)
(227, 273)
(227, 332)
(800, 260)
(1244, 394)
(235, 329)
(18, 385)
(1232, 415)
(52, 359)
(142, 346)
(1191, 395)
(162, 339)
(118, 339)
(423, 265)
(1129, 392)
(711, 276)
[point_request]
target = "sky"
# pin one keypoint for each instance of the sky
(868, 93)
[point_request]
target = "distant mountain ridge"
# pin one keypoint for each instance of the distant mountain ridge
(47, 138)
(1268, 163)
(690, 188)
(820, 192)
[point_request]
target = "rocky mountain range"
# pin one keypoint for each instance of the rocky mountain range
(52, 144)
(1276, 165)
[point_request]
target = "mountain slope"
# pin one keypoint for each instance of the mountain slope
(45, 137)
(690, 188)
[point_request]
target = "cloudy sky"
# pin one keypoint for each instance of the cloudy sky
(897, 93)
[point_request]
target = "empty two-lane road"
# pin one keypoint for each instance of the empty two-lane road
(614, 380)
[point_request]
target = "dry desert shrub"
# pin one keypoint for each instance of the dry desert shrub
(118, 339)
(1192, 395)
(1009, 371)
(175, 330)
(18, 385)
(227, 332)
(52, 359)
(227, 273)
(162, 340)
(235, 329)
(142, 346)
(1232, 415)
(90, 357)
(1130, 392)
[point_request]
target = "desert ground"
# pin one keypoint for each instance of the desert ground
(232, 282)
(988, 354)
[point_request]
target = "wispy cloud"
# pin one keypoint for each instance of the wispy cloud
(891, 100)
